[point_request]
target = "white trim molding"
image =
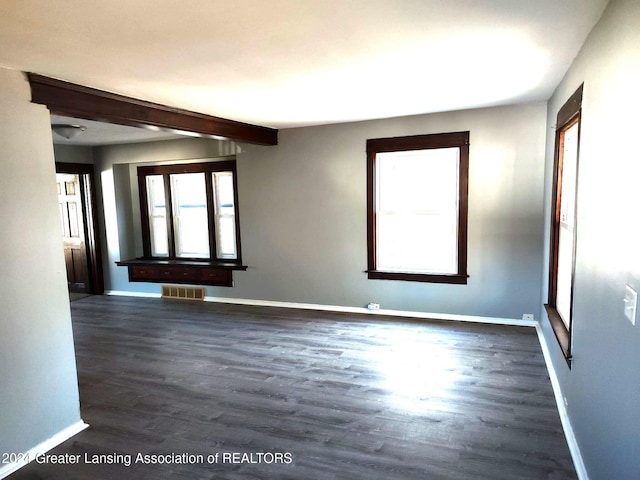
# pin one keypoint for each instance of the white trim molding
(43, 448)
(339, 308)
(125, 293)
(574, 448)
(385, 312)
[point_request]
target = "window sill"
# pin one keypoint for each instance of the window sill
(417, 277)
(561, 332)
(182, 262)
(190, 271)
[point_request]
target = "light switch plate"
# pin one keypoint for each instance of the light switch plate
(630, 304)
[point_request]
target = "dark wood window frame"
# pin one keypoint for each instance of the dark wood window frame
(568, 116)
(419, 142)
(197, 271)
(166, 170)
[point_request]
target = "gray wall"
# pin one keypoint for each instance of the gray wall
(39, 393)
(73, 154)
(303, 214)
(603, 386)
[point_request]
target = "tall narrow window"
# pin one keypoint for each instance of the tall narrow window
(157, 216)
(567, 220)
(225, 214)
(563, 222)
(417, 207)
(203, 218)
(191, 229)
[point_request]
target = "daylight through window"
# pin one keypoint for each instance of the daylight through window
(418, 207)
(190, 211)
(562, 253)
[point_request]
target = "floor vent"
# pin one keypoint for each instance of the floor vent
(182, 293)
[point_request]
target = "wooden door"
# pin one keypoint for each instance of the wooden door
(71, 217)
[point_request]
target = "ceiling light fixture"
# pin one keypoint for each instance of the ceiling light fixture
(68, 131)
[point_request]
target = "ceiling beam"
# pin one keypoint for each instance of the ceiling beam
(69, 99)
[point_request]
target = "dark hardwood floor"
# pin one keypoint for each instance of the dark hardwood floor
(308, 395)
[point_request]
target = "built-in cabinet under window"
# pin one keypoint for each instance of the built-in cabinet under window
(192, 272)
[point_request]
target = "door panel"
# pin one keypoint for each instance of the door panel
(70, 206)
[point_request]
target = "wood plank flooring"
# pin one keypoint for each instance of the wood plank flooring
(306, 395)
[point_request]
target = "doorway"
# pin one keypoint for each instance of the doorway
(75, 255)
(76, 202)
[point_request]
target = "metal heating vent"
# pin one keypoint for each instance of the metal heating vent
(182, 293)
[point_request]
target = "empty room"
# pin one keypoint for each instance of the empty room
(319, 240)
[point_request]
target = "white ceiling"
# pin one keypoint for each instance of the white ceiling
(286, 63)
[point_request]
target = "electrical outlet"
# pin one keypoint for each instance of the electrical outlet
(528, 317)
(373, 306)
(630, 304)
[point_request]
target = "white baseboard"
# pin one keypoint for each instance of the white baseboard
(124, 293)
(569, 434)
(343, 309)
(385, 312)
(43, 448)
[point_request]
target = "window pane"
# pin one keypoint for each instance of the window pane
(420, 180)
(567, 223)
(157, 216)
(225, 219)
(417, 214)
(407, 243)
(190, 224)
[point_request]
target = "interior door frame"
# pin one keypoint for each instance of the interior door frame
(85, 172)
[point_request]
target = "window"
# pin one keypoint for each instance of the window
(417, 207)
(563, 221)
(189, 211)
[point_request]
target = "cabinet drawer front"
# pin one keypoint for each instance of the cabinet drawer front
(215, 276)
(145, 272)
(186, 274)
